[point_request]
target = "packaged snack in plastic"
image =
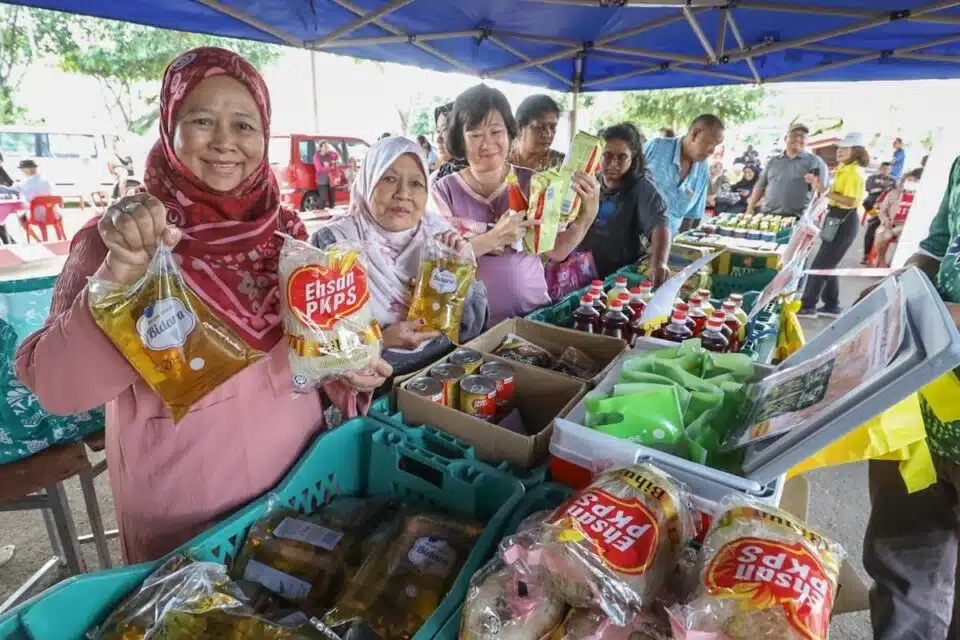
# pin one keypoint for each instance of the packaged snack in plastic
(583, 155)
(510, 602)
(592, 624)
(577, 363)
(546, 195)
(764, 575)
(400, 587)
(328, 322)
(182, 350)
(520, 349)
(614, 544)
(441, 291)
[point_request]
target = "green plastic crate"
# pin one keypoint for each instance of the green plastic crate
(363, 457)
(546, 496)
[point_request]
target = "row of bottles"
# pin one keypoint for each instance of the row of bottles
(617, 313)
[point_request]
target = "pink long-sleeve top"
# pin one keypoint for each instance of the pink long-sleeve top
(170, 482)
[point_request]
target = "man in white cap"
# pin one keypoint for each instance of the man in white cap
(790, 179)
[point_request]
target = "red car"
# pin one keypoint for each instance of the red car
(291, 157)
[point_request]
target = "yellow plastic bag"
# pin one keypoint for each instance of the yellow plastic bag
(942, 394)
(790, 338)
(896, 434)
(441, 292)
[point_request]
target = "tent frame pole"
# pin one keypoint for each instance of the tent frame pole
(316, 92)
(361, 21)
(722, 36)
(840, 12)
(401, 39)
(922, 57)
(227, 10)
(701, 36)
(735, 30)
(494, 40)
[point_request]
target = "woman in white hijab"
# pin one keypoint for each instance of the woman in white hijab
(388, 214)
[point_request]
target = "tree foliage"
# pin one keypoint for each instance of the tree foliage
(128, 61)
(676, 108)
(25, 36)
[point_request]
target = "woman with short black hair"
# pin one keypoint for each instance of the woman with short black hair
(632, 218)
(537, 120)
(448, 163)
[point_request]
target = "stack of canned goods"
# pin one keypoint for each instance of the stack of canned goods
(467, 383)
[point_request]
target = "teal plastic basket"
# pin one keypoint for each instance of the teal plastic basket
(363, 457)
(546, 496)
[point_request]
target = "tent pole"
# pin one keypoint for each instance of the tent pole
(701, 36)
(722, 36)
(403, 39)
(509, 49)
(216, 5)
(316, 93)
(577, 85)
(735, 30)
(922, 57)
(841, 12)
(361, 21)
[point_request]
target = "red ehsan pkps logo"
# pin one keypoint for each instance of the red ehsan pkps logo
(321, 296)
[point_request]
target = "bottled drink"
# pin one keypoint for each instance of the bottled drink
(586, 318)
(713, 338)
(685, 308)
(677, 330)
(729, 309)
(625, 305)
(637, 303)
(737, 298)
(516, 199)
(646, 291)
(697, 314)
(614, 323)
(598, 297)
(722, 317)
(705, 297)
(620, 286)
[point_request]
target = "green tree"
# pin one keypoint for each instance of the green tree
(128, 61)
(25, 36)
(676, 108)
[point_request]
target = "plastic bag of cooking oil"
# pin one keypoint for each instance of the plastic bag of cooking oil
(441, 290)
(179, 347)
(329, 325)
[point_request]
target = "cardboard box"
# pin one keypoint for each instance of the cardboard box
(540, 396)
(603, 349)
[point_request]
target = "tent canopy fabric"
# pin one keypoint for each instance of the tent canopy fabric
(590, 45)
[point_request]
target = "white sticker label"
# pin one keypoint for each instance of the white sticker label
(282, 584)
(301, 531)
(165, 324)
(442, 280)
(433, 555)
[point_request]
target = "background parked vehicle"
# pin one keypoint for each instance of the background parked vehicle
(291, 157)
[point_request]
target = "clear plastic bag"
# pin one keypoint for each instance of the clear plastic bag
(442, 288)
(763, 575)
(182, 350)
(327, 319)
(592, 624)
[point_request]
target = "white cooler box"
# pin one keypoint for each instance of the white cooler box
(931, 348)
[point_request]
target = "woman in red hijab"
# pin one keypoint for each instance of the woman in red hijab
(211, 196)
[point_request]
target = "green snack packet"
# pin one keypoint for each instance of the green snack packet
(651, 418)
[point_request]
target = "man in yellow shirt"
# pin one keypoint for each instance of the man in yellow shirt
(839, 227)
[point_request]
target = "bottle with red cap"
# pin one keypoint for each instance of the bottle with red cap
(697, 313)
(683, 306)
(614, 322)
(625, 305)
(637, 302)
(586, 318)
(737, 299)
(705, 297)
(722, 317)
(677, 330)
(599, 297)
(731, 320)
(713, 338)
(619, 287)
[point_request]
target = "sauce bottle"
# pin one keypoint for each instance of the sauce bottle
(620, 286)
(685, 308)
(625, 306)
(705, 297)
(586, 318)
(637, 302)
(722, 317)
(713, 338)
(596, 290)
(729, 309)
(646, 291)
(737, 298)
(516, 200)
(697, 314)
(677, 330)
(614, 323)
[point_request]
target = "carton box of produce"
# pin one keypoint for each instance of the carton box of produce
(584, 356)
(517, 429)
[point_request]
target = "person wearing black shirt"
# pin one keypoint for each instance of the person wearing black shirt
(633, 217)
(5, 179)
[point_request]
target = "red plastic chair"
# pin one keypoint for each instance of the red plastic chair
(51, 206)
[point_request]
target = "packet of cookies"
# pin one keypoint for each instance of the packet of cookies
(182, 350)
(329, 326)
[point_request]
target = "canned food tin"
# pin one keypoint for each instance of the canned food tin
(450, 375)
(478, 397)
(430, 388)
(469, 359)
(503, 374)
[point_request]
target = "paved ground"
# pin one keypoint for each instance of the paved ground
(838, 505)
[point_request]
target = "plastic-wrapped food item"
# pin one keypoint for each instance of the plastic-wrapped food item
(399, 588)
(182, 350)
(546, 197)
(509, 602)
(576, 363)
(614, 544)
(329, 325)
(592, 624)
(441, 291)
(303, 558)
(520, 349)
(583, 155)
(764, 575)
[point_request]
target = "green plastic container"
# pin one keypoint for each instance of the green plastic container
(363, 457)
(546, 496)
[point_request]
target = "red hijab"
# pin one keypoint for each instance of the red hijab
(228, 252)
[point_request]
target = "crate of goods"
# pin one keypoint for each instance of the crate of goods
(364, 457)
(848, 374)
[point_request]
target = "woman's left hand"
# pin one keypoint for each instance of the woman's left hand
(367, 380)
(451, 239)
(588, 189)
(658, 274)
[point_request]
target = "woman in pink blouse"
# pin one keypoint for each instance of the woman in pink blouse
(213, 197)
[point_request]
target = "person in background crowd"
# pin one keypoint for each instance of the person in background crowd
(790, 179)
(740, 191)
(680, 170)
(388, 215)
(214, 200)
(5, 179)
(667, 132)
(537, 118)
(750, 157)
(324, 160)
(449, 164)
(892, 211)
(878, 183)
(476, 200)
(120, 166)
(839, 227)
(632, 219)
(718, 183)
(429, 154)
(32, 186)
(899, 158)
(911, 545)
